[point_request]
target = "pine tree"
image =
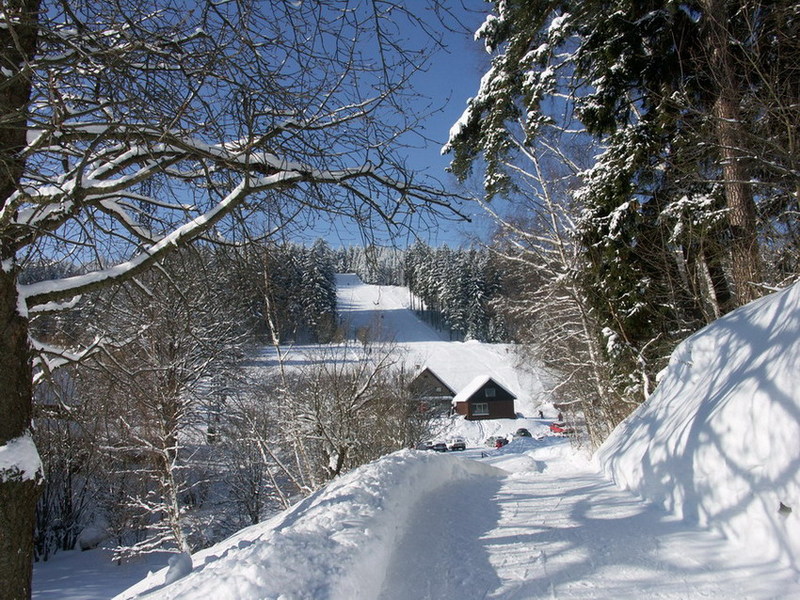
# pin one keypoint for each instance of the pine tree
(667, 215)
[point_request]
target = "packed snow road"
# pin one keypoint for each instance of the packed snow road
(531, 520)
(554, 528)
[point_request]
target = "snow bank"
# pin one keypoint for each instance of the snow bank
(718, 441)
(523, 456)
(334, 544)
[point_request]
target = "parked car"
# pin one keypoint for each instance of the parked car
(436, 446)
(432, 445)
(522, 432)
(561, 427)
(500, 442)
(457, 443)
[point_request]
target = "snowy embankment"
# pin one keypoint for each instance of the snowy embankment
(334, 544)
(530, 520)
(718, 442)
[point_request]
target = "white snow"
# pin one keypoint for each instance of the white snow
(180, 565)
(458, 127)
(557, 25)
(333, 544)
(19, 460)
(90, 575)
(472, 387)
(531, 520)
(385, 309)
(716, 444)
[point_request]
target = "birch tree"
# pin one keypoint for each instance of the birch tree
(128, 129)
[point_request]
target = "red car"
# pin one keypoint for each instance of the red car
(561, 427)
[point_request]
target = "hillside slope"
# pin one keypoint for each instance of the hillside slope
(718, 443)
(534, 520)
(385, 310)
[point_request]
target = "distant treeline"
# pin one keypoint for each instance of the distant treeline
(452, 289)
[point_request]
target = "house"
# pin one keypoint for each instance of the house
(484, 398)
(431, 391)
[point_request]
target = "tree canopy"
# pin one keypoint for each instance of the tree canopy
(128, 129)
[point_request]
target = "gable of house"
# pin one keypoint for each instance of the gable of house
(431, 391)
(485, 398)
(428, 384)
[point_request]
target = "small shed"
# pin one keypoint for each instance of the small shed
(431, 391)
(485, 398)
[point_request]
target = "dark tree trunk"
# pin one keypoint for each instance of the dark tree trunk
(18, 492)
(745, 258)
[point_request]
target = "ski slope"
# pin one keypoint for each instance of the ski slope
(531, 520)
(385, 310)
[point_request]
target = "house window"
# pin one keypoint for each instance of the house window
(490, 392)
(480, 409)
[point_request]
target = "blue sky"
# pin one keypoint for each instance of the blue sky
(451, 79)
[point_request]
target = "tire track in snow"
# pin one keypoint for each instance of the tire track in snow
(441, 553)
(568, 533)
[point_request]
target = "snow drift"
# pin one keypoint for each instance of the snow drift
(718, 442)
(334, 544)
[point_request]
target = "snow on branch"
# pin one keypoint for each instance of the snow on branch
(64, 289)
(52, 357)
(19, 460)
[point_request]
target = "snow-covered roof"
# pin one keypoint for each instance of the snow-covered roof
(476, 384)
(436, 376)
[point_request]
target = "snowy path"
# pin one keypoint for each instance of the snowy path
(565, 532)
(436, 560)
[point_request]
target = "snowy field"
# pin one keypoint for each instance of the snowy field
(536, 519)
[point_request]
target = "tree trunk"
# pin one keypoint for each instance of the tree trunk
(717, 282)
(17, 510)
(18, 491)
(745, 260)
